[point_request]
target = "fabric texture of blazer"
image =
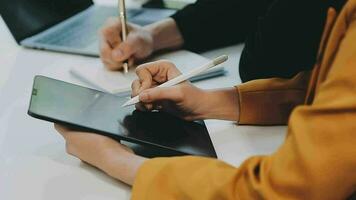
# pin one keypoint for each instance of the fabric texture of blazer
(318, 157)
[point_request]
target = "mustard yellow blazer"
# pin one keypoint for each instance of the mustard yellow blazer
(318, 157)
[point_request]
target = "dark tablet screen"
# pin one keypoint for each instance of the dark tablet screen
(84, 108)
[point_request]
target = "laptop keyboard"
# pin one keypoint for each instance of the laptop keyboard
(83, 31)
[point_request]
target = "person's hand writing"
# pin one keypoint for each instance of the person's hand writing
(113, 51)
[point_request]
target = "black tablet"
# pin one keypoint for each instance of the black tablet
(91, 110)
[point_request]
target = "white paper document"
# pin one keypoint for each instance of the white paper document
(116, 81)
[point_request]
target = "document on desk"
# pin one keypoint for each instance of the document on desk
(117, 82)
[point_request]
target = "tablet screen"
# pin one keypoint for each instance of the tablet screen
(73, 105)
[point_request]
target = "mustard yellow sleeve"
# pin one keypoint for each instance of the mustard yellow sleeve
(270, 101)
(317, 160)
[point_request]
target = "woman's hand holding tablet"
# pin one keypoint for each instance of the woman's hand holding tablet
(183, 100)
(102, 152)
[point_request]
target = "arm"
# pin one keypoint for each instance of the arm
(141, 41)
(317, 160)
(194, 27)
(263, 102)
(209, 24)
(270, 101)
(183, 100)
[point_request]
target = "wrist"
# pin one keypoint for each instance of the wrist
(165, 35)
(222, 104)
(122, 165)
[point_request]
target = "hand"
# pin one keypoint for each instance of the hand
(183, 100)
(113, 51)
(102, 152)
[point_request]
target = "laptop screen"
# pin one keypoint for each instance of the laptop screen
(28, 17)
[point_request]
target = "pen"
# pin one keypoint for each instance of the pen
(122, 16)
(183, 77)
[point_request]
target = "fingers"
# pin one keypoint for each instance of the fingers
(125, 50)
(144, 79)
(111, 32)
(150, 75)
(156, 72)
(109, 39)
(161, 70)
(106, 58)
(64, 131)
(136, 87)
(153, 99)
(153, 74)
(113, 51)
(157, 94)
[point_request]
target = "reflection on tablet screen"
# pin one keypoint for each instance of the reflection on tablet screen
(99, 112)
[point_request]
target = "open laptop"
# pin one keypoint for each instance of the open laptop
(69, 26)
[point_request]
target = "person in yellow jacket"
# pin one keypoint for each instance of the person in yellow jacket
(316, 161)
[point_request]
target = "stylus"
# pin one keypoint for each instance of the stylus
(184, 77)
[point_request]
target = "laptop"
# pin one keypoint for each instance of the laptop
(172, 4)
(69, 26)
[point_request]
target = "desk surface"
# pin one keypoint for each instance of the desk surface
(33, 162)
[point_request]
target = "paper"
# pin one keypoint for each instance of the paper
(117, 82)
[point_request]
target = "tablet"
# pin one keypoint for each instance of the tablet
(94, 111)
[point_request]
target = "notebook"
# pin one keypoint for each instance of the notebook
(116, 82)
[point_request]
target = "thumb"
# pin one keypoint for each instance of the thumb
(124, 50)
(174, 94)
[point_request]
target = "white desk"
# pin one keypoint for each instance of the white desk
(33, 162)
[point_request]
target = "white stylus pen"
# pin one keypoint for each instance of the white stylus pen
(183, 77)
